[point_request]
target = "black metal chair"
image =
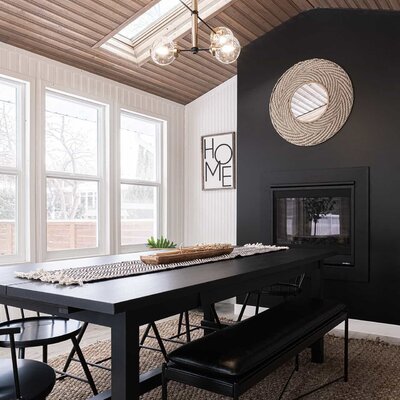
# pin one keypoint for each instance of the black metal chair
(42, 331)
(183, 322)
(282, 289)
(23, 379)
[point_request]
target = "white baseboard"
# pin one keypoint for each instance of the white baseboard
(358, 329)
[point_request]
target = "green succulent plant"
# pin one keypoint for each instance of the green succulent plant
(161, 243)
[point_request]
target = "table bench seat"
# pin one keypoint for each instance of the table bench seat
(232, 360)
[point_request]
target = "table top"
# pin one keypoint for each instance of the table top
(122, 294)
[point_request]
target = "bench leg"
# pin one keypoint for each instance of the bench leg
(346, 350)
(235, 391)
(164, 383)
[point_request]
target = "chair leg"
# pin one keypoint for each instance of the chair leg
(84, 365)
(258, 302)
(145, 334)
(246, 300)
(346, 350)
(164, 383)
(44, 354)
(180, 323)
(159, 340)
(187, 325)
(215, 315)
(21, 353)
(72, 352)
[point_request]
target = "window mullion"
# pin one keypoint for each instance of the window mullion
(139, 183)
(76, 177)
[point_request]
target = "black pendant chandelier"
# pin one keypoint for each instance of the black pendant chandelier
(224, 46)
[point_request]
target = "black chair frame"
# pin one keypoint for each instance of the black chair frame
(188, 329)
(17, 389)
(282, 289)
(76, 349)
(11, 332)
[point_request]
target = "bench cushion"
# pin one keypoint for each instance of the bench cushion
(234, 351)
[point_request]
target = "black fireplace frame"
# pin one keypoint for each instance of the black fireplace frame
(358, 179)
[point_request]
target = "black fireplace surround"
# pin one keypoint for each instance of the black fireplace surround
(327, 208)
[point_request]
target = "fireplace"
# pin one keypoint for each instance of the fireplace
(322, 208)
(320, 216)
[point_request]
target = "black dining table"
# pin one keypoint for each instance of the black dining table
(124, 304)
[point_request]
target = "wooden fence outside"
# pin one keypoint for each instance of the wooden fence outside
(76, 234)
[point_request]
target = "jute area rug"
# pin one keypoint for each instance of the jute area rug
(374, 373)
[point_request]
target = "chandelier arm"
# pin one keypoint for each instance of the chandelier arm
(205, 23)
(191, 51)
(184, 4)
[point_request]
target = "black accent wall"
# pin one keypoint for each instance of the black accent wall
(367, 45)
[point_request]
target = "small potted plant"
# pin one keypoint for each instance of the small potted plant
(161, 243)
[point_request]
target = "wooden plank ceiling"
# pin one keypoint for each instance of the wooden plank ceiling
(67, 30)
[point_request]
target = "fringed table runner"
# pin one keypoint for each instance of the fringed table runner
(81, 275)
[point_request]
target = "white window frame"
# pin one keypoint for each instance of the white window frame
(103, 198)
(157, 183)
(20, 172)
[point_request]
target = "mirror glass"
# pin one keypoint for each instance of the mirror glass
(309, 102)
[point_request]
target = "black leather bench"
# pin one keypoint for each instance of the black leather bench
(232, 360)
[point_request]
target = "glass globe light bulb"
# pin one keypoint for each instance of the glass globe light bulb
(228, 52)
(164, 51)
(219, 36)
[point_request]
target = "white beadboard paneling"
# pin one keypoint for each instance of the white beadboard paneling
(43, 72)
(210, 216)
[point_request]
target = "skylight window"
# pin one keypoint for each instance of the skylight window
(149, 18)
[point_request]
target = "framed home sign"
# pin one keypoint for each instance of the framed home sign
(218, 161)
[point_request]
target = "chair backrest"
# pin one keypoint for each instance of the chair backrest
(21, 311)
(11, 332)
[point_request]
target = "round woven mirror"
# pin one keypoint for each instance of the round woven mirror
(311, 102)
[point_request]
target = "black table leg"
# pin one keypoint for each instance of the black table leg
(317, 286)
(125, 358)
(208, 320)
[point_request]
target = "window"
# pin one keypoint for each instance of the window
(12, 170)
(149, 18)
(140, 141)
(75, 134)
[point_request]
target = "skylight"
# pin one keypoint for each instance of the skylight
(149, 18)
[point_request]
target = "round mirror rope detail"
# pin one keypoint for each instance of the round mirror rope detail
(340, 92)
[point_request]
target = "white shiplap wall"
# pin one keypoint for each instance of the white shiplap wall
(210, 216)
(42, 72)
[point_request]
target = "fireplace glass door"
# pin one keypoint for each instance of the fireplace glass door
(318, 217)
